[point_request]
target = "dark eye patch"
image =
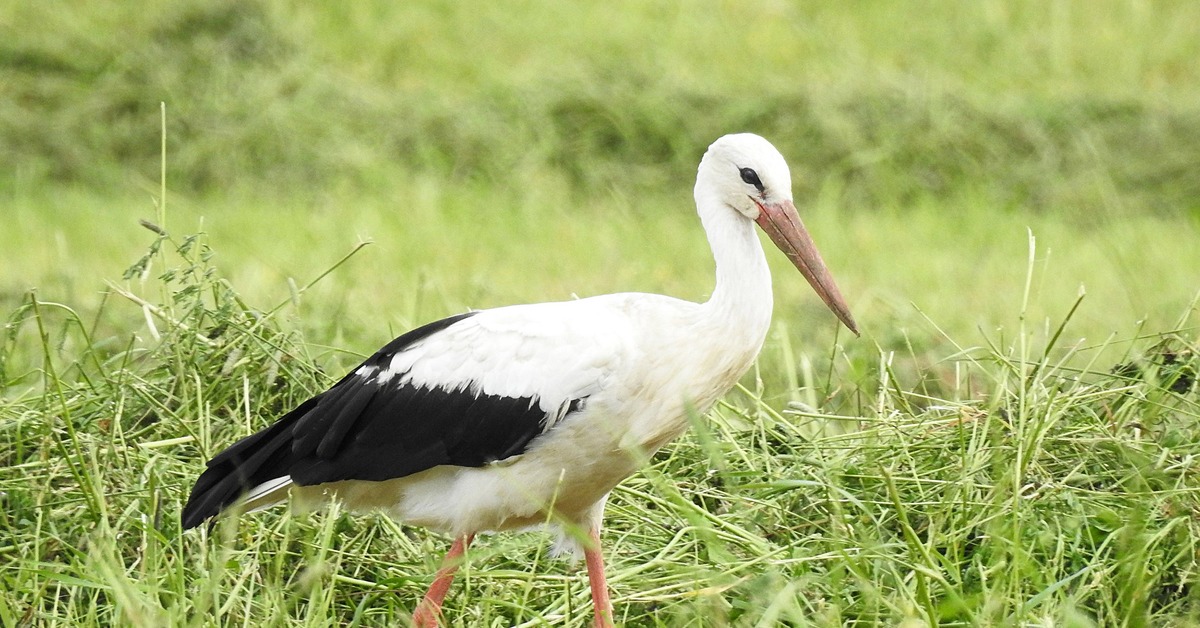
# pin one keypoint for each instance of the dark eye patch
(751, 178)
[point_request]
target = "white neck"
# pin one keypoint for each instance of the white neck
(726, 332)
(741, 303)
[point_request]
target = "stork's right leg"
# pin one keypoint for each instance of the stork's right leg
(426, 615)
(602, 605)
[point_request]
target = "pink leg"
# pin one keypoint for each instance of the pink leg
(595, 567)
(426, 615)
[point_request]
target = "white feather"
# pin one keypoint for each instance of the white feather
(267, 494)
(552, 351)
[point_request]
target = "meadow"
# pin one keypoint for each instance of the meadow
(1008, 194)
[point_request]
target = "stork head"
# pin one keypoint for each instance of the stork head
(748, 175)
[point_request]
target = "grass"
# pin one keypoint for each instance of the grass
(996, 450)
(1035, 104)
(1028, 489)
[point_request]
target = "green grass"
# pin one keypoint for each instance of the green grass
(1032, 104)
(1029, 485)
(996, 449)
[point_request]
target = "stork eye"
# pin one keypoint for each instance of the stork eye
(751, 177)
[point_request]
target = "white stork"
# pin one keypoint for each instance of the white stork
(517, 416)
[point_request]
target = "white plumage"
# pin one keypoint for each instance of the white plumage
(556, 351)
(510, 417)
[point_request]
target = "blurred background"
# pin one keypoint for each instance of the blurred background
(498, 153)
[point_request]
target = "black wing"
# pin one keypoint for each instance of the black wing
(361, 429)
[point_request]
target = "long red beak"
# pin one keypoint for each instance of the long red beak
(783, 225)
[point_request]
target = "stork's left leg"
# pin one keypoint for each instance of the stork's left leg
(595, 567)
(426, 615)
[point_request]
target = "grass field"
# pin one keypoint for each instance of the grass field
(1007, 192)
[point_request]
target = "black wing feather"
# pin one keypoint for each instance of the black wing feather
(360, 429)
(347, 417)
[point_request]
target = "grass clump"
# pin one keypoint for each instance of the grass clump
(1064, 498)
(92, 436)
